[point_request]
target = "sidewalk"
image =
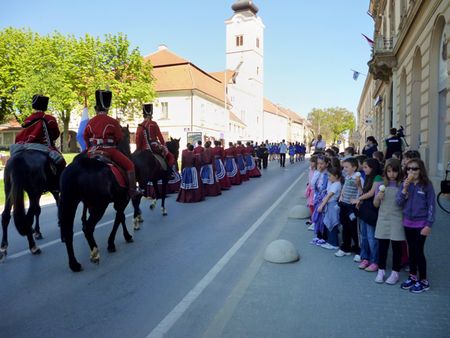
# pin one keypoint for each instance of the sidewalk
(323, 295)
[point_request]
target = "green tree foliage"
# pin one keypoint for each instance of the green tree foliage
(331, 123)
(69, 70)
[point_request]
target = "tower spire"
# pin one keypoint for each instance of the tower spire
(244, 5)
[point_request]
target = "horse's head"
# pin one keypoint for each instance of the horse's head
(124, 144)
(174, 146)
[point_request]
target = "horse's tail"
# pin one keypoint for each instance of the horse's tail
(68, 202)
(17, 201)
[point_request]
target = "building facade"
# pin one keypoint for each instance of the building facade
(408, 80)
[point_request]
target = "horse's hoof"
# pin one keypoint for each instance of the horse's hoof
(35, 250)
(75, 267)
(140, 219)
(111, 248)
(95, 255)
(2, 256)
(164, 211)
(38, 235)
(136, 225)
(129, 240)
(152, 204)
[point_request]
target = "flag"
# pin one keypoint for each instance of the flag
(355, 75)
(83, 122)
(370, 41)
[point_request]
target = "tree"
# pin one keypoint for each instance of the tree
(14, 45)
(331, 123)
(69, 70)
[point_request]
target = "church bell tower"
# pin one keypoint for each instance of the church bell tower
(245, 56)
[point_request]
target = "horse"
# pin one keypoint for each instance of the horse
(32, 171)
(92, 182)
(149, 169)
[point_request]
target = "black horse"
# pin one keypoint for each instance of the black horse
(92, 182)
(149, 169)
(33, 172)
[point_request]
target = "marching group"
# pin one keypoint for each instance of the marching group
(206, 170)
(375, 203)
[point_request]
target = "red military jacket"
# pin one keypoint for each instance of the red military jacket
(153, 131)
(34, 132)
(199, 150)
(230, 152)
(102, 130)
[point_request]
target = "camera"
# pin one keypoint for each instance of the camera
(400, 132)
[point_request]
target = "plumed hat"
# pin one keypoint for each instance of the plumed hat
(147, 109)
(102, 99)
(39, 102)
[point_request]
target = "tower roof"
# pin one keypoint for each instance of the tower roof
(244, 5)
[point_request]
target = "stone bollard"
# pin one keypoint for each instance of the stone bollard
(300, 212)
(281, 251)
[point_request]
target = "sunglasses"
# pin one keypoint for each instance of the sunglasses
(412, 168)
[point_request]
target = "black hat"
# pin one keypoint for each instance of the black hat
(102, 99)
(40, 102)
(147, 109)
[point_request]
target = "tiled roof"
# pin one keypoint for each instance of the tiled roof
(234, 118)
(271, 107)
(292, 115)
(221, 77)
(11, 124)
(174, 73)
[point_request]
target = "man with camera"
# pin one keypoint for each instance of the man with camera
(394, 143)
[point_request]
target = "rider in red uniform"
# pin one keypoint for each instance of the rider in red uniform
(104, 133)
(148, 134)
(43, 129)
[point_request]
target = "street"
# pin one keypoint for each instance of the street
(199, 272)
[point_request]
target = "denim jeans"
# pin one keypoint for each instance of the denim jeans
(369, 244)
(333, 236)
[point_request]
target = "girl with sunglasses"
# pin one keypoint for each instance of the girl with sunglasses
(417, 198)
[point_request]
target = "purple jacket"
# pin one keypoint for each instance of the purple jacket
(419, 204)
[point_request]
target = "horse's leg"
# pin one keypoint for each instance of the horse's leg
(137, 215)
(67, 211)
(153, 201)
(37, 213)
(119, 206)
(95, 214)
(33, 211)
(6, 217)
(163, 197)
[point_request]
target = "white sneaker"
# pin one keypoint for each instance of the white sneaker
(380, 276)
(393, 278)
(357, 259)
(329, 246)
(311, 227)
(341, 253)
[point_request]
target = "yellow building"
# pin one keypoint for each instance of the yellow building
(408, 81)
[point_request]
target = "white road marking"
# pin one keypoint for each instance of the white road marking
(172, 317)
(26, 252)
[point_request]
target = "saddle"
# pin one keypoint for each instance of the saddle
(56, 157)
(117, 171)
(162, 161)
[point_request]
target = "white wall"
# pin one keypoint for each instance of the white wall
(275, 127)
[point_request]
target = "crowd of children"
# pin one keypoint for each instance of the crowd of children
(374, 204)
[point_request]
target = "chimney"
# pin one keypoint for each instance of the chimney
(162, 47)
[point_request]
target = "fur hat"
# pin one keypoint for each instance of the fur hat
(39, 102)
(147, 109)
(102, 99)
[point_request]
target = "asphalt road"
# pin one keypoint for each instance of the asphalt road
(175, 279)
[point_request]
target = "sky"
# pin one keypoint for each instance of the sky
(310, 46)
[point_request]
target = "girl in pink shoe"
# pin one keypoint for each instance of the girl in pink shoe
(309, 193)
(368, 215)
(389, 229)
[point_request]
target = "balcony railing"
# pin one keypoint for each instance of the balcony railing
(383, 58)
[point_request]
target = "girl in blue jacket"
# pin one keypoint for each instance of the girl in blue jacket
(417, 198)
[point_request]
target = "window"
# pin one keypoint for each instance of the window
(164, 110)
(257, 42)
(239, 40)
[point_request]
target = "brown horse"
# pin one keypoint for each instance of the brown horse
(149, 169)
